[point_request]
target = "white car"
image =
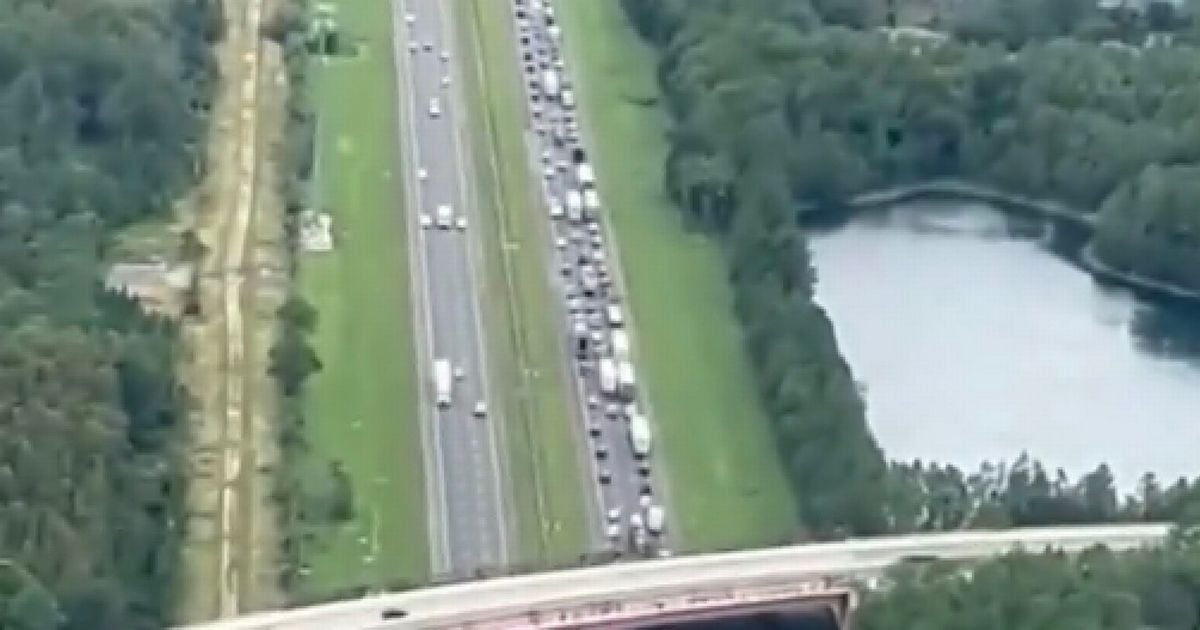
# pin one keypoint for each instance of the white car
(613, 531)
(560, 243)
(446, 81)
(556, 210)
(461, 223)
(435, 108)
(445, 55)
(426, 221)
(614, 515)
(412, 47)
(422, 174)
(459, 373)
(480, 409)
(410, 18)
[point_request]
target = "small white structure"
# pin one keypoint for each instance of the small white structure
(316, 232)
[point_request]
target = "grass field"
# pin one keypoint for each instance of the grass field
(544, 458)
(726, 485)
(362, 408)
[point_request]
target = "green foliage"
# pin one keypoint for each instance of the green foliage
(1157, 588)
(102, 107)
(772, 108)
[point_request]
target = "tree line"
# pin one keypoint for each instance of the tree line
(103, 106)
(778, 103)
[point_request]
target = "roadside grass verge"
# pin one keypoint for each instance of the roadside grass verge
(544, 462)
(362, 407)
(727, 488)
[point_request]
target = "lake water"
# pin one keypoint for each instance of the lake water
(975, 339)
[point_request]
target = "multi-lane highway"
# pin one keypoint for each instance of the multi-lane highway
(587, 277)
(468, 527)
(587, 595)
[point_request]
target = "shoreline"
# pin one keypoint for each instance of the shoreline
(956, 189)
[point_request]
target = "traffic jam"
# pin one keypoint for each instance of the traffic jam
(619, 434)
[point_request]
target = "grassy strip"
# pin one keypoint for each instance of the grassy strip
(727, 487)
(544, 463)
(362, 407)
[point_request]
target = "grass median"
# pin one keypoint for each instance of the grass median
(362, 407)
(727, 486)
(544, 457)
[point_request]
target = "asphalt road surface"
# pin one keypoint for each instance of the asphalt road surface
(465, 485)
(621, 482)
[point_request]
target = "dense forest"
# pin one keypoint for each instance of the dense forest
(101, 111)
(779, 103)
(1097, 590)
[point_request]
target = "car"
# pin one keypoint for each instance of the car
(614, 515)
(428, 46)
(393, 613)
(435, 108)
(643, 469)
(577, 236)
(445, 55)
(636, 521)
(426, 220)
(547, 156)
(605, 476)
(422, 174)
(412, 47)
(645, 501)
(459, 373)
(646, 490)
(663, 552)
(594, 429)
(562, 165)
(549, 172)
(556, 210)
(613, 531)
(613, 410)
(593, 227)
(480, 409)
(461, 223)
(560, 243)
(598, 255)
(593, 401)
(446, 81)
(410, 18)
(601, 451)
(597, 242)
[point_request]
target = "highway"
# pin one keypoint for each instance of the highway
(507, 602)
(468, 528)
(622, 482)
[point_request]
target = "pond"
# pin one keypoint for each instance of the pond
(974, 337)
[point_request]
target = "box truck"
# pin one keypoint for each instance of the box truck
(626, 384)
(639, 435)
(608, 376)
(442, 381)
(585, 174)
(574, 203)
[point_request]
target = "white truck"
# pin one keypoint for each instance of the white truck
(591, 202)
(550, 84)
(586, 175)
(574, 203)
(656, 519)
(639, 435)
(620, 345)
(445, 217)
(626, 383)
(442, 381)
(608, 376)
(615, 317)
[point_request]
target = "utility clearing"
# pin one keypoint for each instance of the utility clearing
(229, 554)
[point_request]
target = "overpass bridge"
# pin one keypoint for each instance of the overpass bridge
(818, 576)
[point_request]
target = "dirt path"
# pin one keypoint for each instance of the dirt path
(229, 551)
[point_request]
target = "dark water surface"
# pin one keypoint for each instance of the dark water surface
(976, 338)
